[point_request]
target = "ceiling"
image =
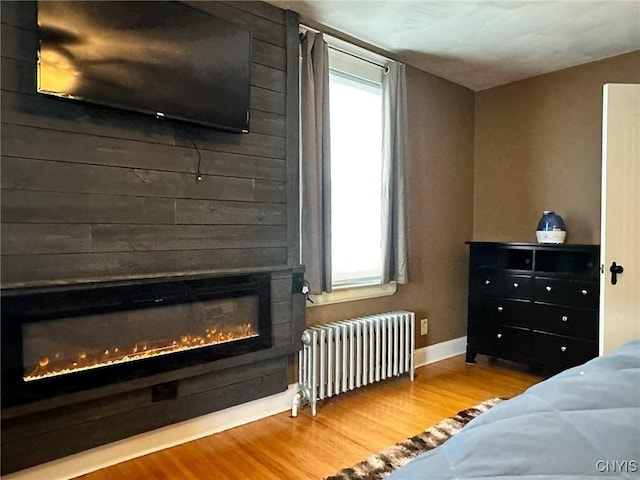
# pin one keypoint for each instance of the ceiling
(482, 44)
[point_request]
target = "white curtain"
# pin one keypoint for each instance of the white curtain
(394, 221)
(316, 163)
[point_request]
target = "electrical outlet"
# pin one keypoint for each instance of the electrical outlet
(424, 326)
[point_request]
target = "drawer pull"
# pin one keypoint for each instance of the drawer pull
(500, 309)
(564, 349)
(487, 282)
(565, 318)
(499, 335)
(547, 288)
(584, 292)
(516, 284)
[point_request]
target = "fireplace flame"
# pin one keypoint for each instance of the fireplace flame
(52, 364)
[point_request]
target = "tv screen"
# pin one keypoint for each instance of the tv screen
(163, 58)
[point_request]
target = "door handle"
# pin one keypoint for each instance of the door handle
(615, 270)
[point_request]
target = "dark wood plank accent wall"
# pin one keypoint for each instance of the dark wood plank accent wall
(91, 193)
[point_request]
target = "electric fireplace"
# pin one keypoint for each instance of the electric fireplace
(69, 339)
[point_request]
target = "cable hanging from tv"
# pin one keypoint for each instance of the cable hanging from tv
(198, 174)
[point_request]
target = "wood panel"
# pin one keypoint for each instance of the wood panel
(40, 422)
(56, 114)
(18, 13)
(70, 268)
(18, 43)
(261, 9)
(69, 432)
(268, 100)
(18, 75)
(44, 144)
(282, 334)
(202, 212)
(281, 312)
(75, 414)
(88, 435)
(281, 289)
(202, 383)
(29, 174)
(268, 54)
(134, 238)
(293, 141)
(35, 239)
(250, 144)
(269, 78)
(24, 206)
(267, 123)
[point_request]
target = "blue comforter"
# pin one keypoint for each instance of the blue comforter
(581, 423)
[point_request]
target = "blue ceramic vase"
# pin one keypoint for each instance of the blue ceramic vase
(551, 228)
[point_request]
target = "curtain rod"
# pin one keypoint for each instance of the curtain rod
(384, 67)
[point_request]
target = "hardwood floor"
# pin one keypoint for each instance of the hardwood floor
(347, 428)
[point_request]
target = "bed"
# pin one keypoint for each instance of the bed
(581, 423)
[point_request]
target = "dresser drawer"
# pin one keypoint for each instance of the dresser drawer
(566, 292)
(517, 286)
(513, 343)
(559, 353)
(570, 321)
(489, 282)
(486, 281)
(481, 338)
(496, 340)
(500, 311)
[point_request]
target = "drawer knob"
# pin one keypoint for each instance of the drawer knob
(565, 318)
(516, 284)
(547, 288)
(499, 335)
(584, 292)
(500, 309)
(487, 282)
(564, 349)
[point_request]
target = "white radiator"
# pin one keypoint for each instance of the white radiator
(340, 356)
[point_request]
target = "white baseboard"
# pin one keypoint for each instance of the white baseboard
(172, 435)
(440, 351)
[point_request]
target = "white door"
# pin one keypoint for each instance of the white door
(620, 243)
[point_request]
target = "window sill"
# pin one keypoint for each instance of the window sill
(353, 293)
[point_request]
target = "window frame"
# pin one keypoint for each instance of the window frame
(354, 61)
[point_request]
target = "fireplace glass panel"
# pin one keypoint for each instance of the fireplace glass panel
(68, 345)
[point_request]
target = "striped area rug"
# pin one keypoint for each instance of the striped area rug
(382, 464)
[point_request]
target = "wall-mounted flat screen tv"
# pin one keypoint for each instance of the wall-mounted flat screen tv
(164, 58)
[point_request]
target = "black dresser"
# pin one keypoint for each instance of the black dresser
(534, 303)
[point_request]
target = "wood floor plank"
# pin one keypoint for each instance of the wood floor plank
(348, 427)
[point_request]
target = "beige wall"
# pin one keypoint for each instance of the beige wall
(538, 147)
(440, 187)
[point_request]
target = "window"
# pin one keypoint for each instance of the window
(353, 208)
(355, 92)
